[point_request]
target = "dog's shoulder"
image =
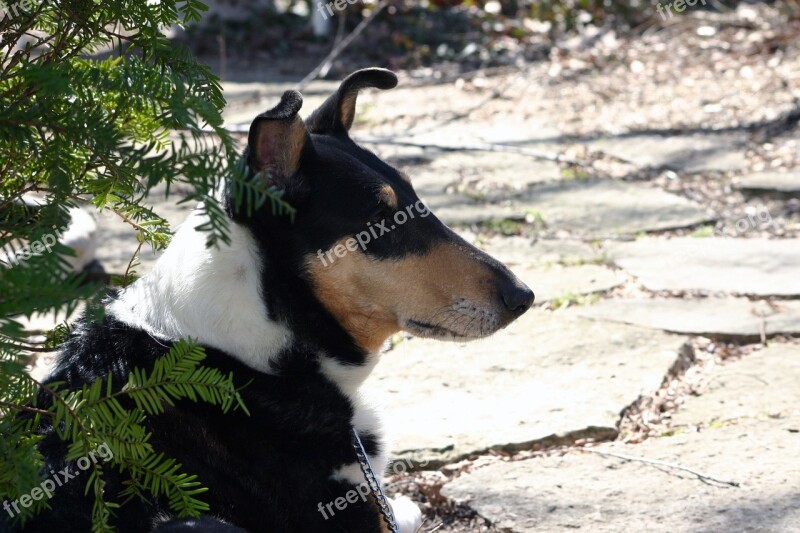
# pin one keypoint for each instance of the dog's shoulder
(101, 346)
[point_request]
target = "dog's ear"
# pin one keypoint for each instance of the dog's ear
(278, 138)
(337, 113)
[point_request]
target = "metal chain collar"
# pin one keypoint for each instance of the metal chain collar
(372, 482)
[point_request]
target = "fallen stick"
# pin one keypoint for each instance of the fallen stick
(478, 147)
(665, 464)
(325, 64)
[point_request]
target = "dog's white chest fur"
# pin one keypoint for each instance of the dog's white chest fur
(212, 295)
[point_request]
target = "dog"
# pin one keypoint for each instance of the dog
(297, 310)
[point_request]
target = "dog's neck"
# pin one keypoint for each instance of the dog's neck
(216, 297)
(212, 295)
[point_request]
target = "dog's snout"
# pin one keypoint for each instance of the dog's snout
(517, 297)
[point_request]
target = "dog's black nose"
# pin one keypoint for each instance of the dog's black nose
(517, 297)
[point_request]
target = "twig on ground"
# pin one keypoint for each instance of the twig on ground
(438, 526)
(676, 466)
(496, 93)
(478, 147)
(325, 64)
(428, 81)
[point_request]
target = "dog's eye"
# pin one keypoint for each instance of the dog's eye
(378, 215)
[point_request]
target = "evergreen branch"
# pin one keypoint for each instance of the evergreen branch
(76, 126)
(161, 476)
(25, 408)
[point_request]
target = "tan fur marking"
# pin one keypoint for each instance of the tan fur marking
(286, 141)
(371, 298)
(297, 140)
(347, 110)
(388, 196)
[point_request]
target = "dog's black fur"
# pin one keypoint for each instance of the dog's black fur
(269, 470)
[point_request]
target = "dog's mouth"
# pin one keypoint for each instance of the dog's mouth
(455, 324)
(425, 329)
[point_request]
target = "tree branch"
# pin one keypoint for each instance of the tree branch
(25, 408)
(325, 64)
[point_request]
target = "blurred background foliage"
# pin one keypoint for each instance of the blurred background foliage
(413, 34)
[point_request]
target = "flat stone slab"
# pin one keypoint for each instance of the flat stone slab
(740, 266)
(538, 134)
(460, 209)
(550, 283)
(601, 208)
(587, 492)
(553, 268)
(718, 317)
(764, 384)
(490, 176)
(522, 251)
(780, 182)
(590, 209)
(544, 376)
(688, 153)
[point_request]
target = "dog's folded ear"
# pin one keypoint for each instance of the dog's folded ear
(278, 138)
(337, 113)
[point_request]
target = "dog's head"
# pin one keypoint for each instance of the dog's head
(370, 251)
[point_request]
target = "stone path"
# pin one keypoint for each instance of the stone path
(590, 492)
(591, 209)
(740, 266)
(770, 182)
(761, 386)
(637, 289)
(688, 153)
(751, 435)
(722, 317)
(529, 383)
